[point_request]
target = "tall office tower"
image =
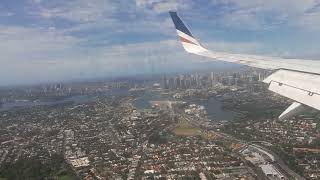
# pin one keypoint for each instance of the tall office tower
(182, 82)
(164, 82)
(230, 79)
(187, 82)
(177, 82)
(171, 83)
(194, 80)
(197, 80)
(200, 81)
(212, 79)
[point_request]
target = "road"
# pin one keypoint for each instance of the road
(282, 165)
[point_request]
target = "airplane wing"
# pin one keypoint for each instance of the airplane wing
(296, 79)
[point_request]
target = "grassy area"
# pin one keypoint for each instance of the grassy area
(66, 177)
(184, 128)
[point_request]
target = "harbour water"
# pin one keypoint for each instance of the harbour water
(20, 104)
(214, 107)
(76, 99)
(215, 110)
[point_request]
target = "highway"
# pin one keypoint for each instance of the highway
(282, 165)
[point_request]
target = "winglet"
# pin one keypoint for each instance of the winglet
(179, 24)
(189, 43)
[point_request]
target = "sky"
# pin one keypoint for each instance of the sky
(58, 40)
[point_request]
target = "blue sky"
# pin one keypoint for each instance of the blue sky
(57, 40)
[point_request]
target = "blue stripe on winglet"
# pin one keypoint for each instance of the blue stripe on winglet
(179, 24)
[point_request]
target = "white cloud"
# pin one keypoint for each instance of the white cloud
(30, 55)
(165, 6)
(236, 47)
(36, 1)
(261, 14)
(75, 10)
(309, 21)
(243, 14)
(6, 14)
(162, 6)
(39, 55)
(144, 3)
(25, 44)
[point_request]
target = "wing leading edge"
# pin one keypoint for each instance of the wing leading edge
(296, 79)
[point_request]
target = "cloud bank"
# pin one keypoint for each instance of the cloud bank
(60, 40)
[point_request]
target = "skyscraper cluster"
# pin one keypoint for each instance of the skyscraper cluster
(207, 80)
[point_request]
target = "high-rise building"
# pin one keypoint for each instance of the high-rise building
(164, 82)
(177, 82)
(171, 83)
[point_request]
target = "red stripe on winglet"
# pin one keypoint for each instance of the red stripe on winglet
(187, 41)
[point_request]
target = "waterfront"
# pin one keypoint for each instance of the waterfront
(214, 107)
(75, 99)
